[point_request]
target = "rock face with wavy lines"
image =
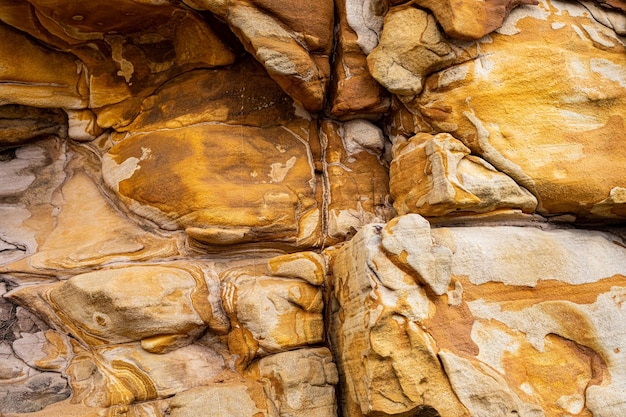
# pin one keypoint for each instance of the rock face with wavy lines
(358, 208)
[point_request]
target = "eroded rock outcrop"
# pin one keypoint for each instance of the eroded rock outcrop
(471, 331)
(344, 208)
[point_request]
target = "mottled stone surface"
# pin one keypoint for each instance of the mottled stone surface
(347, 208)
(516, 326)
(561, 147)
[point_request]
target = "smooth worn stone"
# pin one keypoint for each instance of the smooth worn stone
(437, 176)
(562, 148)
(242, 94)
(33, 393)
(104, 236)
(44, 350)
(38, 76)
(222, 184)
(126, 58)
(131, 303)
(29, 177)
(228, 399)
(308, 266)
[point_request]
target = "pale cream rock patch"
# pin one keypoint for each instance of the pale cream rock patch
(482, 391)
(407, 239)
(362, 135)
(230, 399)
(411, 47)
(366, 18)
(526, 255)
(82, 125)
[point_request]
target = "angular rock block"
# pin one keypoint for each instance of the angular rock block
(543, 102)
(300, 382)
(520, 320)
(437, 176)
(270, 314)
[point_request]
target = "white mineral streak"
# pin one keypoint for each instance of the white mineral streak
(366, 19)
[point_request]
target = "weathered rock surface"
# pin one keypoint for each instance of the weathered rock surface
(502, 309)
(437, 176)
(560, 144)
(214, 207)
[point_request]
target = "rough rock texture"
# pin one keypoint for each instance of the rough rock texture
(504, 313)
(348, 208)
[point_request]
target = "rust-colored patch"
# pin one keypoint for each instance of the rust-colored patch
(451, 326)
(516, 298)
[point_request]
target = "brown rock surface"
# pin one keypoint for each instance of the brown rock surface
(353, 91)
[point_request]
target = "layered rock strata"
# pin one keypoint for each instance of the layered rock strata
(333, 209)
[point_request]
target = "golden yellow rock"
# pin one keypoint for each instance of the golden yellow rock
(469, 19)
(358, 180)
(545, 109)
(437, 176)
(33, 75)
(19, 124)
(223, 184)
(308, 266)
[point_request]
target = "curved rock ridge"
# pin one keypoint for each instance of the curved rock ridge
(348, 208)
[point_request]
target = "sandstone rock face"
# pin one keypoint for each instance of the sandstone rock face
(401, 336)
(348, 208)
(580, 115)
